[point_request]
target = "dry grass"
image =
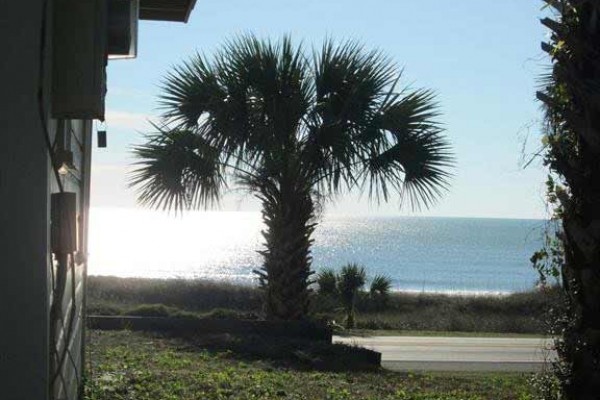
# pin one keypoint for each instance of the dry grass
(516, 313)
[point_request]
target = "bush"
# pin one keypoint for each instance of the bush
(379, 291)
(158, 310)
(225, 313)
(327, 282)
(103, 309)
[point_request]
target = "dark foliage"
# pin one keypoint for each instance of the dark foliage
(571, 96)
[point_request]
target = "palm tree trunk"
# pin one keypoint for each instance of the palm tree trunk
(574, 115)
(350, 315)
(580, 347)
(288, 213)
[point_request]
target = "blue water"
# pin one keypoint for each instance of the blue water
(436, 254)
(418, 254)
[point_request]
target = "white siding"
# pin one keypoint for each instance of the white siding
(74, 136)
(26, 181)
(23, 208)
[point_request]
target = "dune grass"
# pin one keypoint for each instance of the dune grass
(126, 365)
(523, 313)
(190, 295)
(515, 313)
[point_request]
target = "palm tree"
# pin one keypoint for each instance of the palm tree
(351, 280)
(294, 129)
(327, 281)
(572, 101)
(380, 290)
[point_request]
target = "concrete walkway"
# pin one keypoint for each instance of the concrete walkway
(426, 353)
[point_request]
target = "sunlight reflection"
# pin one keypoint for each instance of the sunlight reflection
(419, 254)
(125, 242)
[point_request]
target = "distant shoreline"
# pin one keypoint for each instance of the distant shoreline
(453, 256)
(444, 292)
(325, 214)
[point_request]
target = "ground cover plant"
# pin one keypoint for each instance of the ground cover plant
(516, 313)
(125, 365)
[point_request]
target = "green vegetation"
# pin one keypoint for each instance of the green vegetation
(125, 365)
(350, 281)
(294, 128)
(160, 310)
(571, 152)
(346, 286)
(516, 313)
(327, 282)
(190, 295)
(380, 289)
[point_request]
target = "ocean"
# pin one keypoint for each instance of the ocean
(430, 254)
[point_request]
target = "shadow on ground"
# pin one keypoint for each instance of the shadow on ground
(286, 352)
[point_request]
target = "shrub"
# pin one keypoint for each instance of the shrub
(350, 281)
(152, 310)
(380, 290)
(327, 281)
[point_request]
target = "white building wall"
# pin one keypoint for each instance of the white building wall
(23, 208)
(75, 137)
(26, 181)
(27, 267)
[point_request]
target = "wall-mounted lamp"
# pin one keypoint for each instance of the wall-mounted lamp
(101, 139)
(63, 162)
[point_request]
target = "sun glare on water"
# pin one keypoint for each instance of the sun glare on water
(154, 244)
(419, 254)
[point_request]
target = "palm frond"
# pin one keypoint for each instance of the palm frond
(327, 281)
(351, 279)
(189, 91)
(348, 86)
(336, 121)
(412, 157)
(177, 170)
(380, 285)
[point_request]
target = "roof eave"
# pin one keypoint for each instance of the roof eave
(165, 10)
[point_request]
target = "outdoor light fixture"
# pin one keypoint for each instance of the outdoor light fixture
(63, 170)
(63, 161)
(101, 139)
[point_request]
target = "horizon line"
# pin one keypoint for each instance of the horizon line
(326, 214)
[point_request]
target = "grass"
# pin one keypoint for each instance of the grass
(189, 295)
(519, 313)
(126, 365)
(516, 313)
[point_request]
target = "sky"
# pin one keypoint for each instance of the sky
(481, 57)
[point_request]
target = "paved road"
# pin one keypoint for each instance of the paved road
(457, 353)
